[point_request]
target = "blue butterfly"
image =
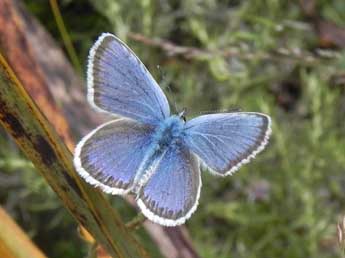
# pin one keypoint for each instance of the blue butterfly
(149, 152)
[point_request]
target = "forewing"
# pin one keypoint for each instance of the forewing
(171, 194)
(119, 83)
(226, 141)
(110, 155)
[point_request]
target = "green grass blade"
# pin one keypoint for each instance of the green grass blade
(40, 143)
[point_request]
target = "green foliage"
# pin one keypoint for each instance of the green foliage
(301, 174)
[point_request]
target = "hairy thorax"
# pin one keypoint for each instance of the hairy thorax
(169, 132)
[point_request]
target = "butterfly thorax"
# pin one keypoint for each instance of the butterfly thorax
(166, 135)
(169, 132)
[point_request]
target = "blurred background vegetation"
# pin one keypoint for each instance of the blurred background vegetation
(283, 58)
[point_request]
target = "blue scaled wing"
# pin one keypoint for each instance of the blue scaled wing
(110, 155)
(226, 141)
(119, 83)
(171, 194)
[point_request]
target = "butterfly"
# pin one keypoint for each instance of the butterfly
(147, 151)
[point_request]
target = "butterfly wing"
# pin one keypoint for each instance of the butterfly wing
(110, 155)
(171, 194)
(119, 83)
(226, 141)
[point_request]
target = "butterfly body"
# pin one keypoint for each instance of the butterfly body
(149, 152)
(166, 135)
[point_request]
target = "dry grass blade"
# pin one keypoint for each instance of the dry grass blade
(14, 243)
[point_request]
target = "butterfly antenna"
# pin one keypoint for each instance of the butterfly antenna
(170, 94)
(177, 110)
